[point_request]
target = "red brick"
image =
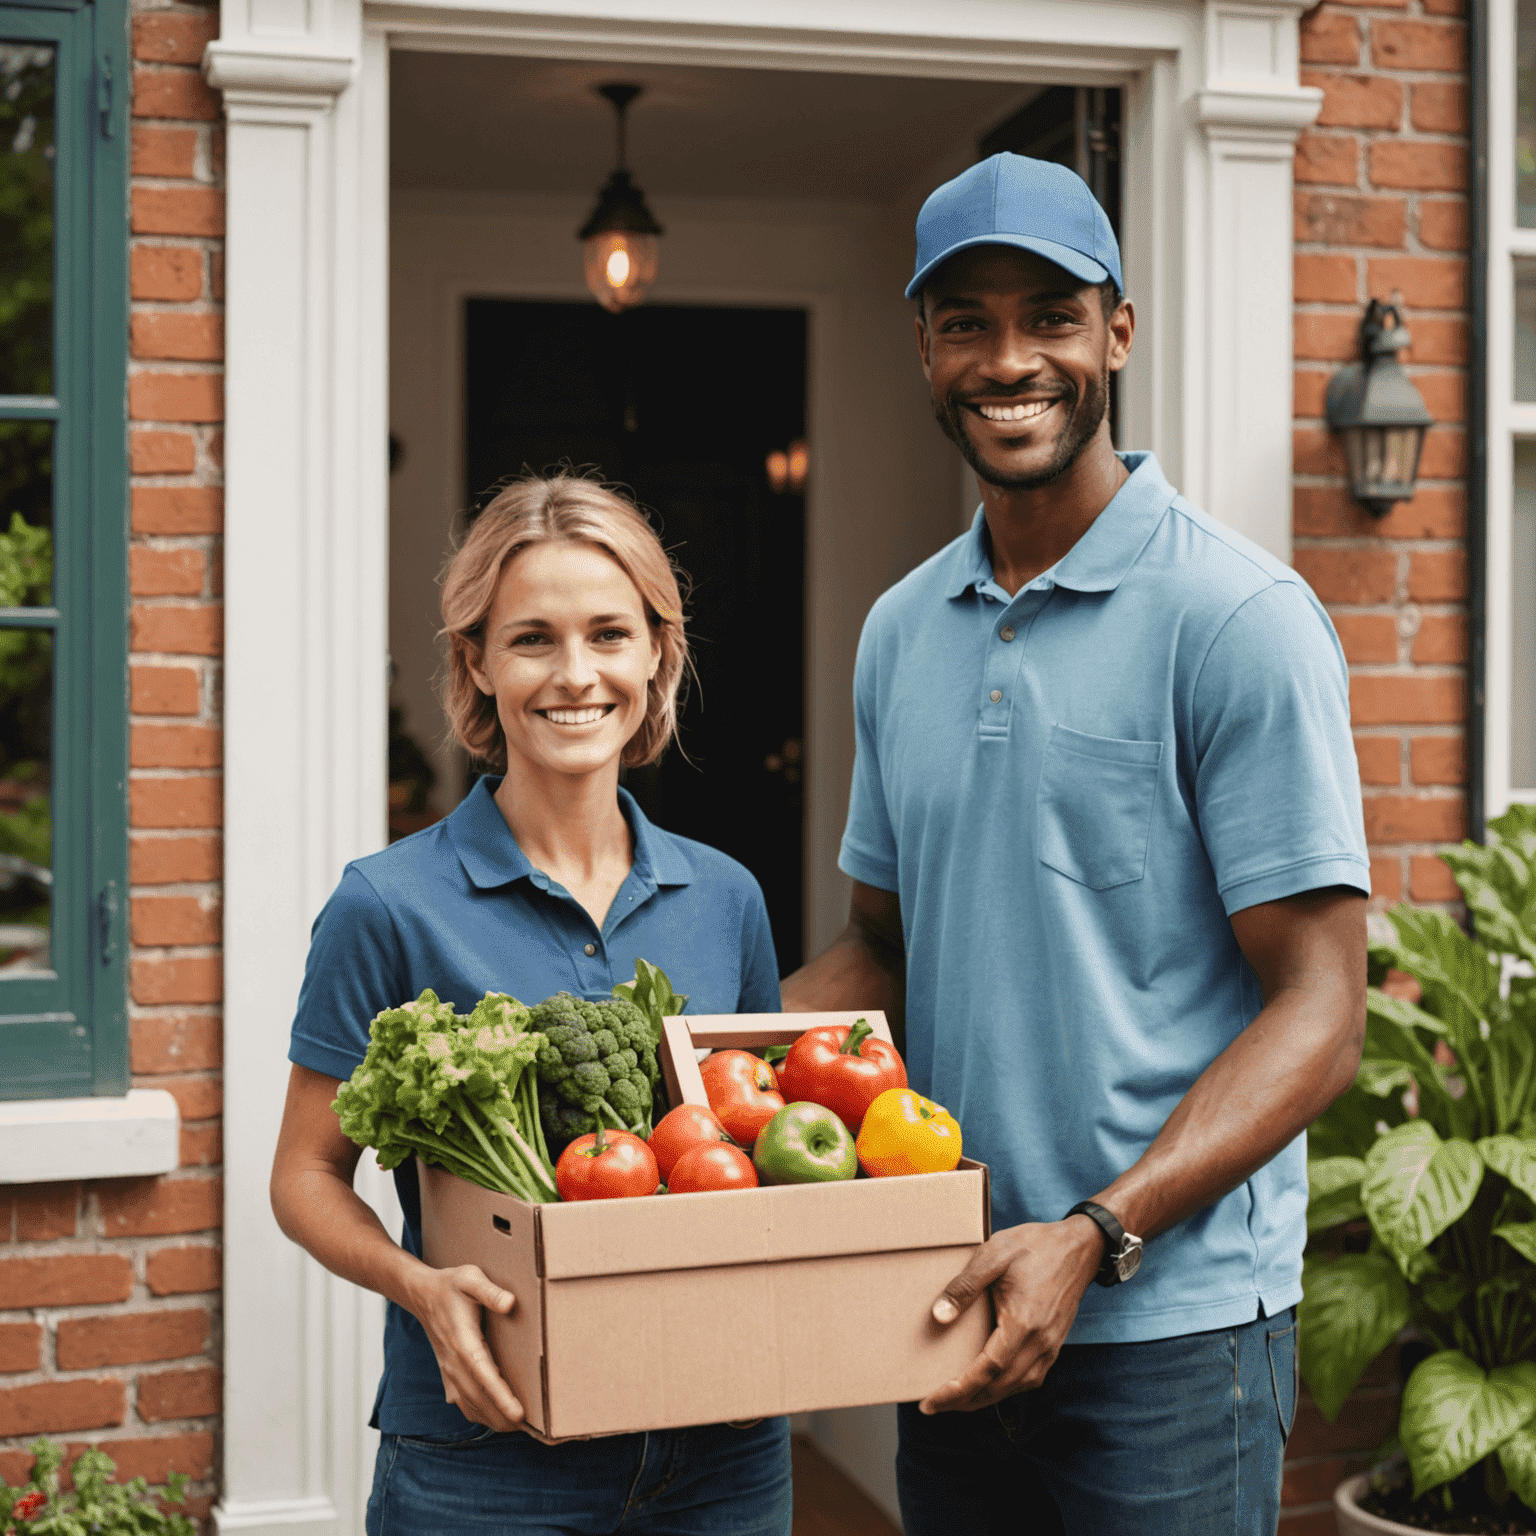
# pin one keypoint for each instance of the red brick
(176, 397)
(1439, 760)
(1329, 37)
(191, 979)
(179, 631)
(1333, 338)
(65, 1280)
(197, 1098)
(1442, 638)
(1312, 1522)
(167, 152)
(1309, 392)
(1357, 101)
(162, 453)
(49, 1407)
(1437, 106)
(1440, 45)
(1418, 165)
(130, 1338)
(1325, 279)
(1331, 218)
(173, 273)
(16, 1466)
(1444, 455)
(1444, 7)
(177, 337)
(1386, 877)
(1313, 1482)
(1326, 159)
(1438, 576)
(1435, 512)
(183, 1042)
(193, 802)
(165, 572)
(1445, 394)
(1411, 700)
(174, 860)
(1414, 818)
(1318, 451)
(177, 509)
(164, 690)
(155, 1458)
(1430, 880)
(1424, 282)
(193, 1394)
(177, 211)
(201, 1146)
(174, 37)
(1380, 759)
(1443, 226)
(158, 1206)
(167, 920)
(216, 275)
(21, 1346)
(45, 1211)
(182, 94)
(183, 1271)
(1362, 1425)
(1437, 341)
(1367, 637)
(175, 746)
(216, 448)
(1356, 576)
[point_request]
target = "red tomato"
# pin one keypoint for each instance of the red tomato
(681, 1130)
(608, 1165)
(721, 1166)
(844, 1069)
(742, 1090)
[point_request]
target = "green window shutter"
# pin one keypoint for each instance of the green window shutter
(63, 497)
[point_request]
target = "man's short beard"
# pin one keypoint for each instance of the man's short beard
(1083, 421)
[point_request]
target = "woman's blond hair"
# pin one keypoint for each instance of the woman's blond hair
(560, 508)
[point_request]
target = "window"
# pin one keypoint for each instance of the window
(64, 77)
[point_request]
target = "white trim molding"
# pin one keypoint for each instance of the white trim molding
(42, 1140)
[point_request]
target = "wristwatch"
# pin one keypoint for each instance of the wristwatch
(1122, 1252)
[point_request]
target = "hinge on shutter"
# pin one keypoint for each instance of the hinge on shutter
(106, 922)
(104, 94)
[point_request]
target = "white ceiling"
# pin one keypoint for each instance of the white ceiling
(498, 124)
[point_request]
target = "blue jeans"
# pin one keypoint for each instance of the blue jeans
(713, 1480)
(1177, 1437)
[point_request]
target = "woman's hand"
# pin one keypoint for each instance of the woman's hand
(447, 1303)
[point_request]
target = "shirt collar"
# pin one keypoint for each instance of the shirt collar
(491, 858)
(1099, 560)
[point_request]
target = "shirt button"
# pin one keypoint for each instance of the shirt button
(997, 695)
(591, 949)
(1006, 632)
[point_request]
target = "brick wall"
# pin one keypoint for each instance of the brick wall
(109, 1291)
(1381, 211)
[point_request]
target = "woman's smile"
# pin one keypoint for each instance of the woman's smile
(589, 715)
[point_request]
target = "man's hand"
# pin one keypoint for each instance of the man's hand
(447, 1304)
(1037, 1274)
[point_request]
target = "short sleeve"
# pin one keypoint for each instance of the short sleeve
(869, 841)
(355, 970)
(1277, 787)
(759, 961)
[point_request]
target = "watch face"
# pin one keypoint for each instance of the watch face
(1128, 1261)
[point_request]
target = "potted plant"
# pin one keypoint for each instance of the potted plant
(97, 1507)
(1428, 1165)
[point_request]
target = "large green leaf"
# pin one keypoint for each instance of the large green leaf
(1351, 1309)
(1333, 1185)
(1512, 1157)
(1349, 1126)
(1521, 1236)
(1498, 884)
(1517, 1456)
(1416, 1185)
(1379, 1077)
(1454, 1414)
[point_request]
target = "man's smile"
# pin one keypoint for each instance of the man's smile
(1023, 410)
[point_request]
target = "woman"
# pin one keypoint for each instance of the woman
(566, 649)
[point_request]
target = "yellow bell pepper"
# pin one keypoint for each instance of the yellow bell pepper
(905, 1133)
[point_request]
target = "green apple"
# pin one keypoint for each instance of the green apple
(804, 1143)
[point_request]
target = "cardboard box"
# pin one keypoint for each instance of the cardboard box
(731, 1304)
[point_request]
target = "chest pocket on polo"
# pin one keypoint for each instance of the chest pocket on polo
(1093, 811)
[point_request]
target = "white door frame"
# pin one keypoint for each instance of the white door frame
(1213, 107)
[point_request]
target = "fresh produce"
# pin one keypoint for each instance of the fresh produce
(717, 1166)
(651, 992)
(459, 1091)
(681, 1130)
(905, 1133)
(742, 1090)
(844, 1068)
(608, 1165)
(805, 1143)
(596, 1065)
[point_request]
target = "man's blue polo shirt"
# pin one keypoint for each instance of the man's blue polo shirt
(459, 908)
(1071, 789)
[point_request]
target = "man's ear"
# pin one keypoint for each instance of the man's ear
(1122, 332)
(924, 339)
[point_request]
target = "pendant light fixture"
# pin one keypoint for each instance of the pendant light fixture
(620, 244)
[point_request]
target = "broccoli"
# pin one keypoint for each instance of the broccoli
(596, 1063)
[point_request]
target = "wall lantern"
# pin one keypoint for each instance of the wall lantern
(789, 468)
(620, 241)
(1379, 413)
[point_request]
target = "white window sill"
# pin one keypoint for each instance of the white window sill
(43, 1140)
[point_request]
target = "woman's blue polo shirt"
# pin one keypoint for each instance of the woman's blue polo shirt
(1072, 788)
(459, 908)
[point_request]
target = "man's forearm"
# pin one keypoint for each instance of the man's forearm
(864, 967)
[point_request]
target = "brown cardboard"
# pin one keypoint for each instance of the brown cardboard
(732, 1304)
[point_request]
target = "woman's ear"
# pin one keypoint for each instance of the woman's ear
(655, 656)
(474, 660)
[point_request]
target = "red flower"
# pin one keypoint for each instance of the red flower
(32, 1504)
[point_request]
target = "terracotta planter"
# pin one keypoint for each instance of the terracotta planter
(1354, 1521)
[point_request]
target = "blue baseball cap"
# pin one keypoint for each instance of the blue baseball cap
(1035, 205)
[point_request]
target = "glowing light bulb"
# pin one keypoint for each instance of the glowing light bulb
(617, 270)
(799, 464)
(777, 466)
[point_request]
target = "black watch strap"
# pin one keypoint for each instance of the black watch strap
(1117, 1246)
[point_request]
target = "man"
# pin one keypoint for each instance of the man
(1105, 833)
